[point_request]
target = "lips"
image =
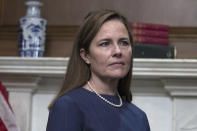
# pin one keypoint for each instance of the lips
(119, 63)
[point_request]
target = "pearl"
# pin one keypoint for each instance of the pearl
(115, 105)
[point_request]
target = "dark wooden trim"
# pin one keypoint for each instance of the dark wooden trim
(59, 39)
(61, 32)
(1, 11)
(183, 34)
(183, 38)
(183, 30)
(10, 32)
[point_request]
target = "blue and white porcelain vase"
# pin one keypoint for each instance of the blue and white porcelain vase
(32, 31)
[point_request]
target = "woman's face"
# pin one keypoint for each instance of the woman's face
(110, 51)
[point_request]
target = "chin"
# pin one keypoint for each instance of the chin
(118, 75)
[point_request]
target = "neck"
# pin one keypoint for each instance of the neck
(106, 86)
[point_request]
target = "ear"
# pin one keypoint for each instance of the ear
(84, 55)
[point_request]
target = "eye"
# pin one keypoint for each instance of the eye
(124, 43)
(104, 43)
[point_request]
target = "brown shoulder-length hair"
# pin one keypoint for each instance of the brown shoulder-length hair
(78, 72)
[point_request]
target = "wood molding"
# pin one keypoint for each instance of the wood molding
(177, 34)
(10, 32)
(61, 32)
(183, 30)
(1, 11)
(183, 34)
(59, 39)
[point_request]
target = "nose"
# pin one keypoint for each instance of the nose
(117, 51)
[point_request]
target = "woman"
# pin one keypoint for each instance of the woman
(96, 92)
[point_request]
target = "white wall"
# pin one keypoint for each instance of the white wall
(165, 89)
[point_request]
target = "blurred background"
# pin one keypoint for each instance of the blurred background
(164, 86)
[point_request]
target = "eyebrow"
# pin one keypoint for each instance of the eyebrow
(105, 39)
(108, 39)
(125, 38)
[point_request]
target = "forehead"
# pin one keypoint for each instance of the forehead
(112, 24)
(112, 27)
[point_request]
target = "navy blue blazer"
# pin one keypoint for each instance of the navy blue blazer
(83, 110)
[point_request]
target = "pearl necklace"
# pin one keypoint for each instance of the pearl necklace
(115, 105)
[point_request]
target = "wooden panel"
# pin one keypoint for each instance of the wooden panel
(185, 41)
(177, 30)
(59, 40)
(185, 50)
(63, 12)
(57, 13)
(183, 34)
(62, 20)
(8, 48)
(8, 40)
(13, 11)
(71, 12)
(58, 48)
(1, 11)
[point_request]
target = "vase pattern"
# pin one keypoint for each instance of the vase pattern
(32, 32)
